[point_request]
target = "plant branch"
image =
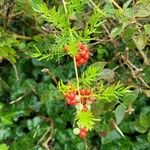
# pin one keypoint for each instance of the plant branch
(117, 128)
(41, 139)
(134, 70)
(15, 69)
(77, 77)
(75, 65)
(22, 37)
(45, 144)
(143, 55)
(16, 14)
(97, 8)
(21, 97)
(115, 3)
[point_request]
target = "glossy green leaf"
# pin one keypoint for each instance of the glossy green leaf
(119, 113)
(35, 4)
(130, 97)
(126, 4)
(112, 136)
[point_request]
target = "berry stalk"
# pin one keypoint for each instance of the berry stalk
(77, 77)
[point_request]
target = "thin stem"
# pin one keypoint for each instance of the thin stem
(64, 4)
(16, 14)
(50, 74)
(115, 3)
(66, 12)
(22, 37)
(77, 77)
(98, 9)
(15, 69)
(85, 144)
(48, 130)
(75, 65)
(117, 128)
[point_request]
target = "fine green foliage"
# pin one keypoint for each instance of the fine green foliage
(38, 41)
(55, 17)
(66, 88)
(92, 73)
(111, 92)
(75, 6)
(85, 120)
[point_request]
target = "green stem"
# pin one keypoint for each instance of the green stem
(66, 12)
(98, 9)
(115, 3)
(75, 65)
(77, 77)
(64, 4)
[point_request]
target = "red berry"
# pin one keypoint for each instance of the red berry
(72, 102)
(86, 48)
(77, 57)
(81, 60)
(81, 46)
(78, 64)
(71, 95)
(83, 133)
(87, 91)
(87, 56)
(83, 53)
(82, 92)
(85, 109)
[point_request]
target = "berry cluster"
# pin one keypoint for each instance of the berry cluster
(71, 98)
(86, 97)
(82, 102)
(83, 55)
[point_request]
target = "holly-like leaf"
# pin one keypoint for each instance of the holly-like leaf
(119, 113)
(112, 136)
(126, 4)
(130, 97)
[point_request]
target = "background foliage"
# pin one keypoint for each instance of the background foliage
(33, 113)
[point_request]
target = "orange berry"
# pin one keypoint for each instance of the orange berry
(83, 133)
(81, 60)
(85, 109)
